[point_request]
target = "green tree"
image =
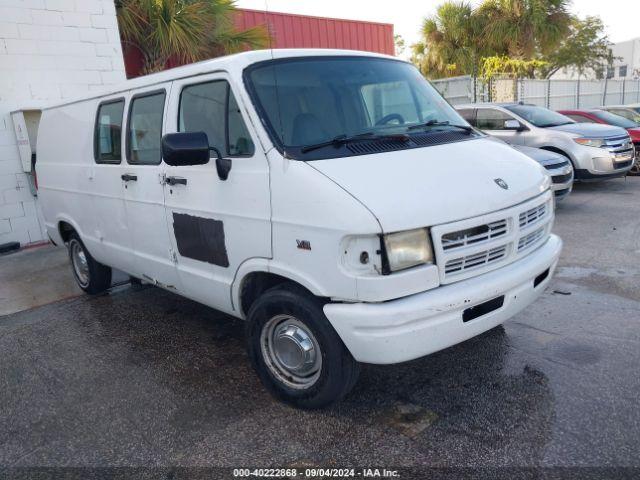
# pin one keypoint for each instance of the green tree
(515, 67)
(524, 29)
(399, 43)
(183, 30)
(450, 41)
(458, 38)
(586, 48)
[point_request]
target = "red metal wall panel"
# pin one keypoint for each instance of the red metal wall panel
(300, 31)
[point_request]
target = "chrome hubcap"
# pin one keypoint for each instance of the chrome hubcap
(79, 262)
(290, 351)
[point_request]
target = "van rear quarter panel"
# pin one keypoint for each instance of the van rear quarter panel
(66, 168)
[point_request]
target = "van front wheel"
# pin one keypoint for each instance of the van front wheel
(91, 276)
(296, 352)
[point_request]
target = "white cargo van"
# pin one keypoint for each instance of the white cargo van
(332, 199)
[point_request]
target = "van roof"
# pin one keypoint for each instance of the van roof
(235, 62)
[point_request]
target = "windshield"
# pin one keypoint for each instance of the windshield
(632, 114)
(613, 119)
(539, 116)
(314, 100)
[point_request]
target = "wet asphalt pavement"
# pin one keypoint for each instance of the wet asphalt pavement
(143, 377)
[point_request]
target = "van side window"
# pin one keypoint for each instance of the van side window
(489, 119)
(211, 108)
(145, 129)
(108, 132)
(239, 140)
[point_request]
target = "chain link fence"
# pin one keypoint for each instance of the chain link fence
(554, 94)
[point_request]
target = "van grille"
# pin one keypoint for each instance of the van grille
(531, 239)
(533, 215)
(474, 235)
(474, 246)
(476, 260)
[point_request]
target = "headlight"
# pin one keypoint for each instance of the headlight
(407, 249)
(590, 142)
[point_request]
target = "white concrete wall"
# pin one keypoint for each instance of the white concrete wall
(629, 52)
(50, 50)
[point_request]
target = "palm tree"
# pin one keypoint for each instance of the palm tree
(183, 31)
(524, 29)
(449, 43)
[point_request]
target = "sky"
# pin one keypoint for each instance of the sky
(621, 17)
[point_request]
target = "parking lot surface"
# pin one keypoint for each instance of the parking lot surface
(143, 377)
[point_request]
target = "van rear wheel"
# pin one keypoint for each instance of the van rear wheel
(91, 276)
(295, 351)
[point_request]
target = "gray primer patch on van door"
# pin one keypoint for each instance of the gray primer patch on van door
(200, 239)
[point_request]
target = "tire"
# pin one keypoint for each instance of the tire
(328, 370)
(91, 276)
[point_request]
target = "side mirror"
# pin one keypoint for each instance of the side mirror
(513, 125)
(185, 148)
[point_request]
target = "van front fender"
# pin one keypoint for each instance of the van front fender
(265, 265)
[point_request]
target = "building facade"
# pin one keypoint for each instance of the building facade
(627, 65)
(50, 50)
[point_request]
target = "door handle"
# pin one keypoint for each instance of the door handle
(176, 181)
(127, 177)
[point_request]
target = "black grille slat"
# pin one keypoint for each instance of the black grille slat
(556, 165)
(376, 146)
(414, 141)
(436, 138)
(622, 164)
(561, 178)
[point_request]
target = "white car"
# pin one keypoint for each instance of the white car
(332, 199)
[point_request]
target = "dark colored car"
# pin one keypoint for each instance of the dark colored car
(597, 115)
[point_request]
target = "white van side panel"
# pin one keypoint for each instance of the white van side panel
(76, 190)
(65, 171)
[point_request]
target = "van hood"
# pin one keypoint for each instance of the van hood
(591, 130)
(430, 186)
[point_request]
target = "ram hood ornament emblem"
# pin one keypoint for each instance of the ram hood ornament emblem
(501, 183)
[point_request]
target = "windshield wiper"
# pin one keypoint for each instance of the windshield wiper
(437, 123)
(344, 139)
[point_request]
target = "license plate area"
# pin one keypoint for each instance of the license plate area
(483, 308)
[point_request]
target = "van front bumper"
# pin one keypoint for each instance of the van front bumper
(420, 324)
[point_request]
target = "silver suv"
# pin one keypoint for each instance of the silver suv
(595, 150)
